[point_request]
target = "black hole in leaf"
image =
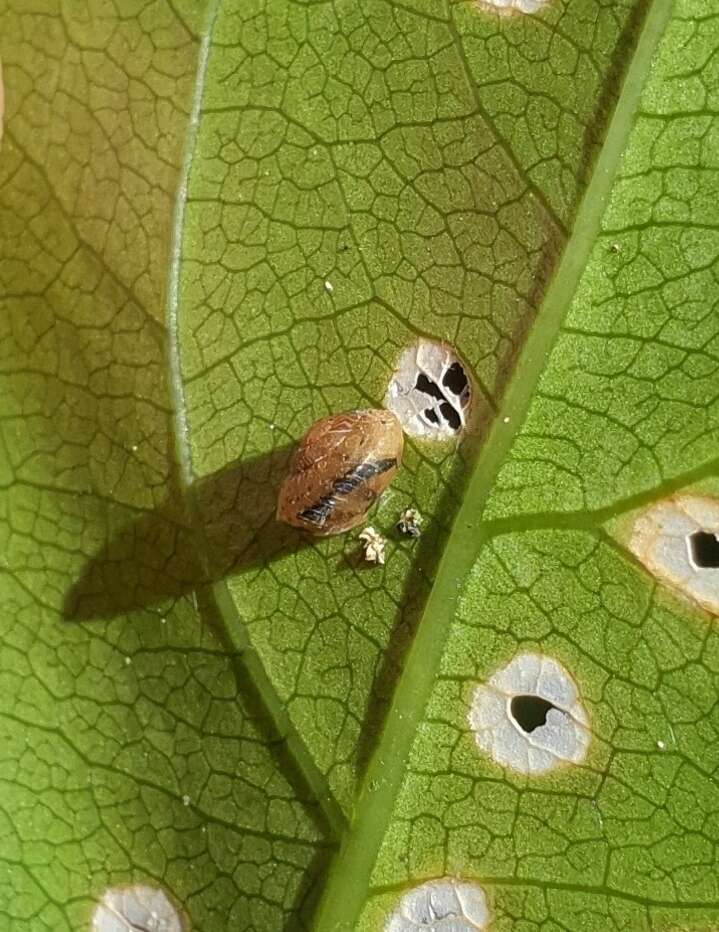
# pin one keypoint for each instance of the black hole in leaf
(704, 550)
(431, 415)
(455, 379)
(529, 712)
(426, 385)
(450, 415)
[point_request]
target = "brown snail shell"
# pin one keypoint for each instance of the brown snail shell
(340, 468)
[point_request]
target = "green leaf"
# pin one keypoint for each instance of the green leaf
(134, 749)
(198, 699)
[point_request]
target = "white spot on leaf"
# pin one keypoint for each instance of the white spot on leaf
(136, 909)
(508, 7)
(678, 542)
(528, 716)
(430, 392)
(444, 905)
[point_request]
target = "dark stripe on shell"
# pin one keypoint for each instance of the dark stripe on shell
(318, 513)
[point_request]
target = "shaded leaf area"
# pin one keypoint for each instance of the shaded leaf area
(367, 146)
(131, 748)
(629, 398)
(628, 837)
(161, 555)
(625, 414)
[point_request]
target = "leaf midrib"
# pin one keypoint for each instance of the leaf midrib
(349, 877)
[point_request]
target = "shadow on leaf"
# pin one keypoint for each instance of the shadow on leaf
(160, 556)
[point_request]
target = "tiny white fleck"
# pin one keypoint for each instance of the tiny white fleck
(506, 420)
(163, 621)
(186, 800)
(139, 907)
(443, 905)
(329, 287)
(661, 745)
(128, 661)
(596, 808)
(134, 448)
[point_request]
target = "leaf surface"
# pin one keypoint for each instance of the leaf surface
(377, 159)
(618, 378)
(219, 224)
(133, 747)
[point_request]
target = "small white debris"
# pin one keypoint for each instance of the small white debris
(528, 716)
(136, 909)
(186, 800)
(677, 540)
(329, 287)
(430, 392)
(443, 905)
(128, 661)
(661, 745)
(505, 420)
(410, 523)
(374, 545)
